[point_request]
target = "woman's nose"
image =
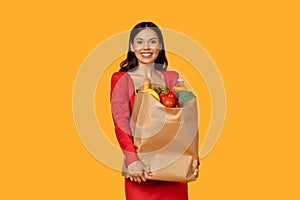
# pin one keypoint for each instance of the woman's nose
(146, 45)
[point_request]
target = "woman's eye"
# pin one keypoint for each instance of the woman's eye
(153, 41)
(139, 42)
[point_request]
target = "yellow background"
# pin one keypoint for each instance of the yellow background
(255, 45)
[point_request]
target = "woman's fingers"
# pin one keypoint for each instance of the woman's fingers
(140, 177)
(143, 178)
(147, 171)
(137, 177)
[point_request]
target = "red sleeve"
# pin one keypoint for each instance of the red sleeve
(120, 106)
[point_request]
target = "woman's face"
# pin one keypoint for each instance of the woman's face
(146, 46)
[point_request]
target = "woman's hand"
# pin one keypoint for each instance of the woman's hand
(136, 171)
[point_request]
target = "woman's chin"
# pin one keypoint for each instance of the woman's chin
(146, 61)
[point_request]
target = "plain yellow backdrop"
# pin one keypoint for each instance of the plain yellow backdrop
(255, 45)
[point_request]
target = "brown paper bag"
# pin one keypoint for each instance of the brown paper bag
(166, 139)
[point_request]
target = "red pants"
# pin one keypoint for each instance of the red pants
(155, 190)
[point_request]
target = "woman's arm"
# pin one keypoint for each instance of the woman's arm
(120, 106)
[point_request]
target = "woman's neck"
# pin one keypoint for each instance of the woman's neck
(146, 69)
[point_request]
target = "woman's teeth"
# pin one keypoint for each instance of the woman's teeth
(146, 54)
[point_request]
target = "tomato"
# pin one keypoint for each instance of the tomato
(162, 95)
(177, 104)
(168, 102)
(163, 92)
(171, 94)
(171, 100)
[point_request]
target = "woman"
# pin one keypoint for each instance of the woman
(145, 59)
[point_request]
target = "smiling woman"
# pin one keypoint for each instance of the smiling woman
(145, 59)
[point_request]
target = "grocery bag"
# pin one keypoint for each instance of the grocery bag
(166, 139)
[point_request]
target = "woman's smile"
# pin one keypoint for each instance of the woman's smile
(146, 54)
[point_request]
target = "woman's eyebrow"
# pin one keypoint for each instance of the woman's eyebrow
(149, 39)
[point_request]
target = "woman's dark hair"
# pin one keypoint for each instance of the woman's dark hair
(131, 62)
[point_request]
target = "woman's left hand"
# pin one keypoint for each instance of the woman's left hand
(136, 171)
